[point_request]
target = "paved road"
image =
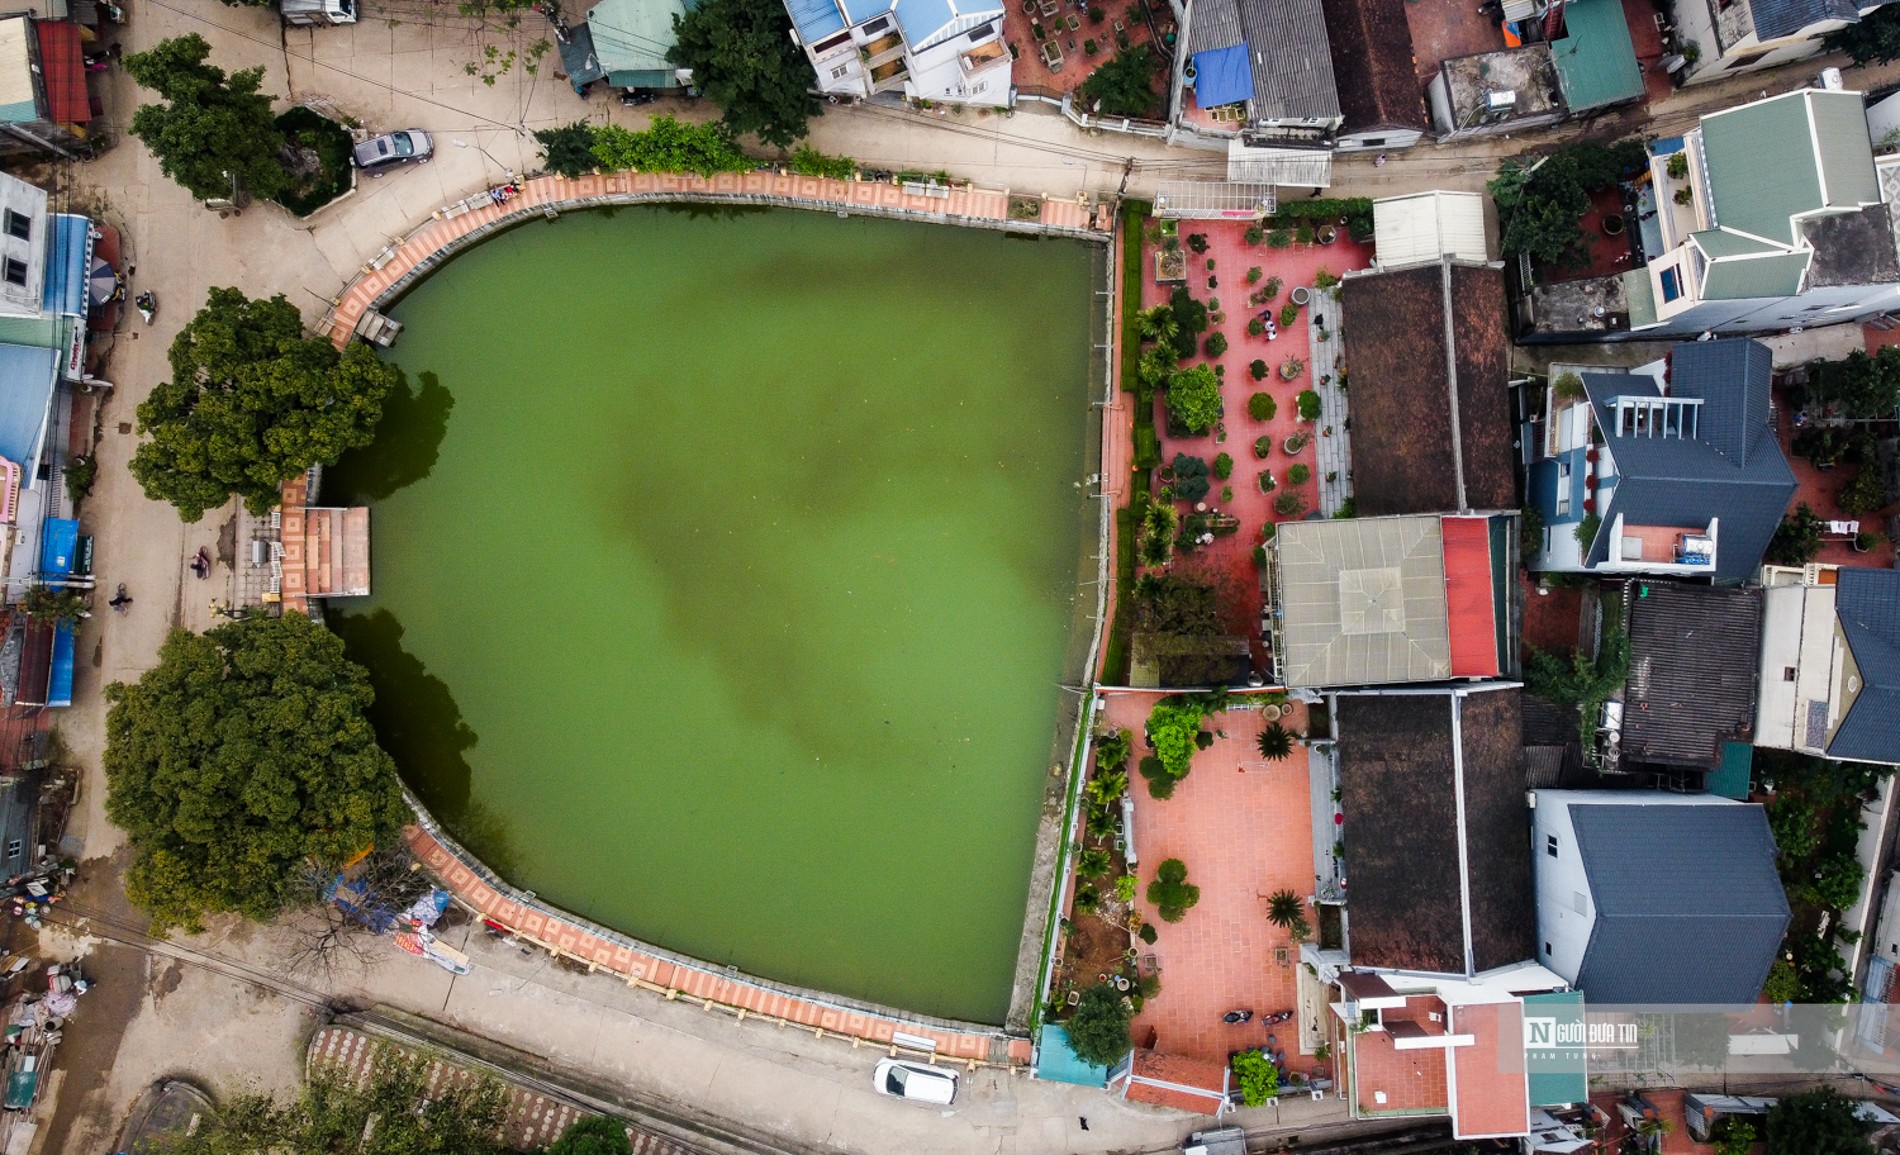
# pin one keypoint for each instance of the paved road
(406, 64)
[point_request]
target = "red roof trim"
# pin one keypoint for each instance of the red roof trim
(1468, 608)
(63, 64)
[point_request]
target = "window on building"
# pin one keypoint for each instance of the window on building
(825, 47)
(1550, 845)
(16, 272)
(1563, 488)
(1787, 673)
(1373, 141)
(983, 33)
(838, 72)
(1546, 950)
(875, 27)
(19, 226)
(979, 86)
(1671, 283)
(1579, 903)
(14, 847)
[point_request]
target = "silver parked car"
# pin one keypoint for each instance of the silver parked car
(379, 154)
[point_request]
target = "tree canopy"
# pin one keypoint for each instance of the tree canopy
(1541, 203)
(1124, 86)
(743, 57)
(1861, 387)
(1098, 1027)
(396, 1108)
(1194, 399)
(243, 754)
(1818, 1122)
(594, 1135)
(1874, 39)
(252, 403)
(212, 126)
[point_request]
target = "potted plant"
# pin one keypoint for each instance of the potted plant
(1301, 294)
(1326, 234)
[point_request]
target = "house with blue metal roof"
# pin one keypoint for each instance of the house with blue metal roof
(1737, 36)
(1656, 897)
(1830, 663)
(1670, 468)
(940, 50)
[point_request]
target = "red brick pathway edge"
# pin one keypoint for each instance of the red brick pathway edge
(714, 988)
(455, 226)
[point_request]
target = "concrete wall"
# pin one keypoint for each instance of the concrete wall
(1563, 933)
(29, 201)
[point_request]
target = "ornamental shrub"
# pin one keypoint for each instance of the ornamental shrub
(1098, 1027)
(1216, 344)
(1259, 370)
(1223, 466)
(1308, 402)
(1261, 406)
(1194, 399)
(1298, 474)
(1171, 894)
(1259, 1080)
(1289, 313)
(1262, 446)
(1292, 503)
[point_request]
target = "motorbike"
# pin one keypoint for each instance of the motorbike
(201, 563)
(1277, 1017)
(147, 305)
(634, 97)
(1236, 1016)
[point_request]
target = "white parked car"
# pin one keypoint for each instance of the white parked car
(903, 1079)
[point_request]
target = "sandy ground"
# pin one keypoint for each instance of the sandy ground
(183, 1012)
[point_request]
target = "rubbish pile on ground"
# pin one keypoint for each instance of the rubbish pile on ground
(31, 893)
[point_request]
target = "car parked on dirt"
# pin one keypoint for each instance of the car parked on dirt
(921, 1082)
(379, 154)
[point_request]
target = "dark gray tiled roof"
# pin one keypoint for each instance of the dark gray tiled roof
(1777, 18)
(1287, 52)
(1693, 656)
(1688, 906)
(1292, 63)
(1734, 471)
(1867, 603)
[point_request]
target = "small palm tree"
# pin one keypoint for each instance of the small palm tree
(1284, 908)
(1276, 743)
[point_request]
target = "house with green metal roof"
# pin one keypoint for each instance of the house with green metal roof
(630, 40)
(1769, 217)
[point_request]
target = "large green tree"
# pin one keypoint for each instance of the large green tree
(1125, 85)
(1861, 387)
(241, 757)
(251, 403)
(744, 58)
(395, 1111)
(212, 126)
(1874, 39)
(1817, 1123)
(594, 1135)
(1098, 1027)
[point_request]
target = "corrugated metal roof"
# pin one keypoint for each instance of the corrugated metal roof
(815, 19)
(27, 378)
(67, 266)
(634, 35)
(1422, 227)
(1596, 61)
(1775, 159)
(63, 72)
(1292, 64)
(17, 101)
(1362, 601)
(1774, 19)
(1747, 278)
(1867, 605)
(1716, 243)
(1213, 24)
(1669, 880)
(1468, 597)
(1299, 167)
(1639, 297)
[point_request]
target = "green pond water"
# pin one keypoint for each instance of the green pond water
(726, 566)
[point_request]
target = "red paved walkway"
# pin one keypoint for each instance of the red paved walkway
(543, 192)
(553, 932)
(1296, 265)
(1244, 828)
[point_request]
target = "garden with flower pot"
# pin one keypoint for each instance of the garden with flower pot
(1226, 373)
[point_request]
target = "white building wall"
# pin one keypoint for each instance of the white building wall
(1797, 632)
(1563, 933)
(17, 196)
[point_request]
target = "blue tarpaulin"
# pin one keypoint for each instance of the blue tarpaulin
(1222, 76)
(59, 545)
(59, 688)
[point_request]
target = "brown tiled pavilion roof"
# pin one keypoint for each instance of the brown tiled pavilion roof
(1373, 64)
(1398, 377)
(1399, 791)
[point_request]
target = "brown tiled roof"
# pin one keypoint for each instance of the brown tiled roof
(1209, 1077)
(1373, 64)
(1489, 1074)
(1402, 445)
(1399, 791)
